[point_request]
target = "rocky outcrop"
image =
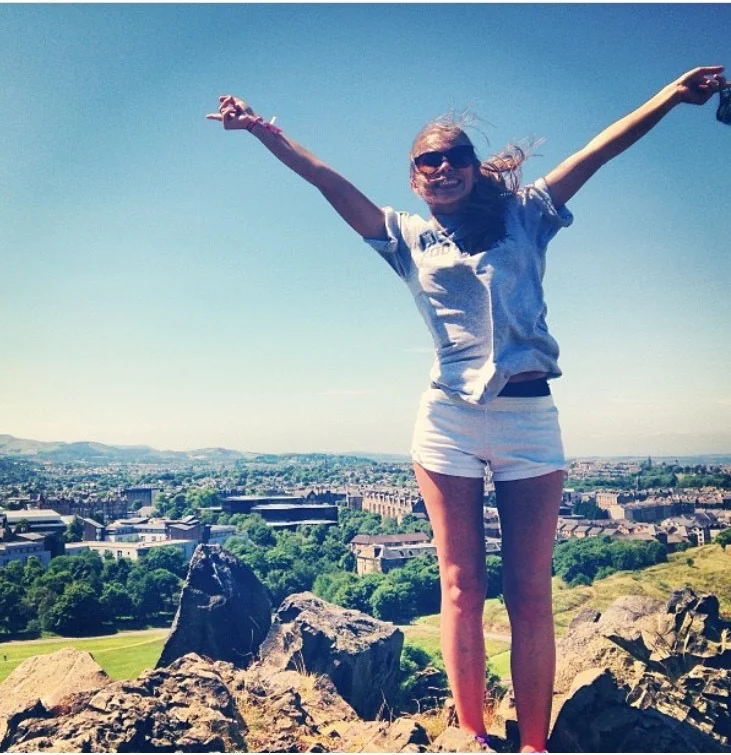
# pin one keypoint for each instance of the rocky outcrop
(360, 654)
(187, 707)
(453, 739)
(596, 717)
(287, 711)
(646, 677)
(401, 735)
(50, 678)
(224, 612)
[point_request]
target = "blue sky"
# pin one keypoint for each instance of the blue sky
(166, 283)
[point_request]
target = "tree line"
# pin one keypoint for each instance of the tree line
(579, 561)
(86, 594)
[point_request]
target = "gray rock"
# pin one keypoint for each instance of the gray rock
(646, 677)
(401, 735)
(453, 739)
(224, 612)
(360, 654)
(186, 707)
(596, 718)
(50, 678)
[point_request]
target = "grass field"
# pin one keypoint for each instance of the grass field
(707, 572)
(122, 656)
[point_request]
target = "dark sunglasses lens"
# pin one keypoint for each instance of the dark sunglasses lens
(723, 113)
(461, 157)
(429, 161)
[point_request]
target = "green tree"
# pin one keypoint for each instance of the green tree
(116, 602)
(723, 538)
(259, 531)
(168, 557)
(494, 566)
(116, 570)
(13, 611)
(167, 586)
(76, 613)
(32, 569)
(74, 532)
(393, 601)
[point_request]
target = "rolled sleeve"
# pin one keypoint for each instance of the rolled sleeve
(542, 219)
(393, 249)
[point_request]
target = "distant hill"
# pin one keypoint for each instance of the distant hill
(60, 452)
(87, 451)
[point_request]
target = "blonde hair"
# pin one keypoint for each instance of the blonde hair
(498, 177)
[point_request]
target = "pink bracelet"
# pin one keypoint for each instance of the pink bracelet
(268, 126)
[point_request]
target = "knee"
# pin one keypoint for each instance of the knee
(529, 605)
(464, 592)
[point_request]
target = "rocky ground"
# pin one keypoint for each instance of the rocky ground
(641, 677)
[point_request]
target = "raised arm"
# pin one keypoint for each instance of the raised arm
(695, 87)
(355, 208)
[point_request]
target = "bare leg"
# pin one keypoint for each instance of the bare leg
(528, 515)
(455, 511)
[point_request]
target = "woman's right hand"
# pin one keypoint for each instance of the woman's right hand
(233, 112)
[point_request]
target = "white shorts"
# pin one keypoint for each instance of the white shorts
(518, 437)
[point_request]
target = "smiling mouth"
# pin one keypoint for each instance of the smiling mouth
(447, 184)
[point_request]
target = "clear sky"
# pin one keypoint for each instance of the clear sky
(163, 282)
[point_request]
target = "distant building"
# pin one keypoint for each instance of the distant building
(282, 511)
(146, 530)
(403, 539)
(607, 499)
(131, 550)
(392, 505)
(219, 533)
(384, 558)
(43, 521)
(93, 530)
(143, 495)
(21, 550)
(88, 508)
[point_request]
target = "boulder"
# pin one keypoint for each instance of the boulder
(646, 675)
(585, 643)
(224, 612)
(186, 707)
(50, 678)
(596, 717)
(401, 735)
(453, 739)
(360, 654)
(286, 711)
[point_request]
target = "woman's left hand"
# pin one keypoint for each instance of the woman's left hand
(698, 86)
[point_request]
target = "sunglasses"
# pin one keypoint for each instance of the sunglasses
(458, 157)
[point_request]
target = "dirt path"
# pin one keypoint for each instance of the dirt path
(161, 631)
(435, 630)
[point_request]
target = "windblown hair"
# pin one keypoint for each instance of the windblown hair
(498, 178)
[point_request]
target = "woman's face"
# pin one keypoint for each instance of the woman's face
(445, 188)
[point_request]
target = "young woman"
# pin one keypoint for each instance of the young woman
(475, 269)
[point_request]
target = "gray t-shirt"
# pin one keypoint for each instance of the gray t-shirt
(485, 311)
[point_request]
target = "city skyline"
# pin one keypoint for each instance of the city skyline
(152, 283)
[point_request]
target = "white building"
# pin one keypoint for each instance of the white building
(220, 533)
(45, 521)
(130, 550)
(22, 550)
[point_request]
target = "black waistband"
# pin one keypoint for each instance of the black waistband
(527, 388)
